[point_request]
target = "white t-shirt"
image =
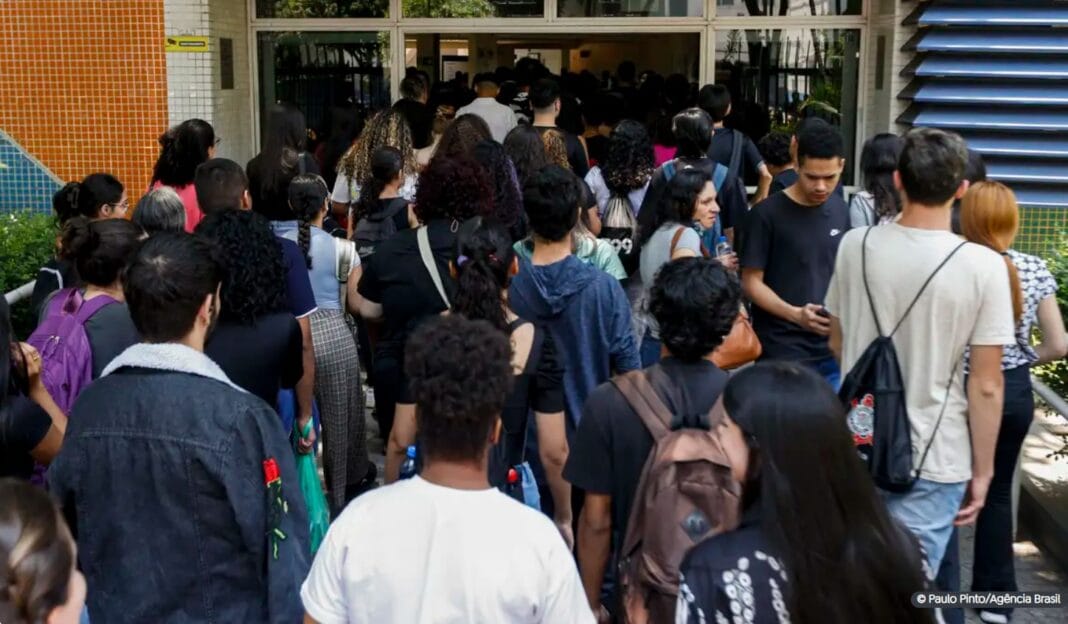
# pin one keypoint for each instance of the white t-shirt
(595, 180)
(419, 553)
(967, 303)
(500, 118)
(346, 192)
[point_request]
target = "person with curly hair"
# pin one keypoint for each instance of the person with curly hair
(524, 146)
(387, 128)
(694, 301)
(518, 568)
(443, 116)
(401, 289)
(461, 137)
(182, 149)
(334, 269)
(627, 167)
(257, 341)
(507, 197)
(41, 581)
(775, 150)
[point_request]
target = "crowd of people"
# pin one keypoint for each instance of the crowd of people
(612, 385)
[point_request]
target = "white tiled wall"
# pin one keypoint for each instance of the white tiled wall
(194, 79)
(232, 107)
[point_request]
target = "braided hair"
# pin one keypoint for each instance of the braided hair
(484, 257)
(307, 198)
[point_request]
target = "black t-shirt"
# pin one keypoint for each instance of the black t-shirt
(796, 247)
(576, 153)
(54, 275)
(420, 119)
(273, 203)
(611, 444)
(395, 277)
(723, 145)
(23, 425)
(785, 178)
(261, 357)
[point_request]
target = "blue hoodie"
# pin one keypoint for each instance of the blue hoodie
(587, 313)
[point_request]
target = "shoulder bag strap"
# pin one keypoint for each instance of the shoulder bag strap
(639, 393)
(719, 177)
(675, 241)
(422, 235)
(925, 285)
(345, 252)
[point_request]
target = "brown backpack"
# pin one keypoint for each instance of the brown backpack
(686, 494)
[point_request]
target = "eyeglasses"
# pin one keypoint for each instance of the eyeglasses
(217, 141)
(120, 207)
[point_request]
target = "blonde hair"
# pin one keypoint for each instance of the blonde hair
(990, 216)
(386, 128)
(555, 148)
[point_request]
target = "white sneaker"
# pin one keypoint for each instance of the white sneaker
(989, 617)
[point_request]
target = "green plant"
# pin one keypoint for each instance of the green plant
(27, 242)
(1055, 375)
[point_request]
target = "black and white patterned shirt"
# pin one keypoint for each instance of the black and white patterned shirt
(1037, 283)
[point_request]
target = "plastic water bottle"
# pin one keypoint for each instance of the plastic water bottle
(407, 469)
(723, 247)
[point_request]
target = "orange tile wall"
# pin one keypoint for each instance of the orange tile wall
(83, 85)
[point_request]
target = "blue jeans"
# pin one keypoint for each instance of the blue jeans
(928, 510)
(650, 350)
(828, 369)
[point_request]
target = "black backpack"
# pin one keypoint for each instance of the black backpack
(874, 394)
(378, 227)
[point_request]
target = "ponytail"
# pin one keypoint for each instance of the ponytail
(87, 197)
(386, 164)
(100, 249)
(484, 258)
(307, 198)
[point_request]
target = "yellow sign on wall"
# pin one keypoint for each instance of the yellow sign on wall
(187, 44)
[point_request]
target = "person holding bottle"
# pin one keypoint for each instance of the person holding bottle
(690, 200)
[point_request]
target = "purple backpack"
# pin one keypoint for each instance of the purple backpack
(66, 358)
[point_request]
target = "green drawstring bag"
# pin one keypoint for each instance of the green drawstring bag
(308, 475)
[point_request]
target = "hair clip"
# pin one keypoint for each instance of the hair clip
(461, 259)
(493, 258)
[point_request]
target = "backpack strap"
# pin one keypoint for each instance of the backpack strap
(669, 170)
(91, 306)
(719, 176)
(639, 393)
(925, 285)
(422, 236)
(736, 152)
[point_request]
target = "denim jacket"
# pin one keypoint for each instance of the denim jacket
(164, 474)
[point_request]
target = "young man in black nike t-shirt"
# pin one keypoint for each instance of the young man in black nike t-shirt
(791, 241)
